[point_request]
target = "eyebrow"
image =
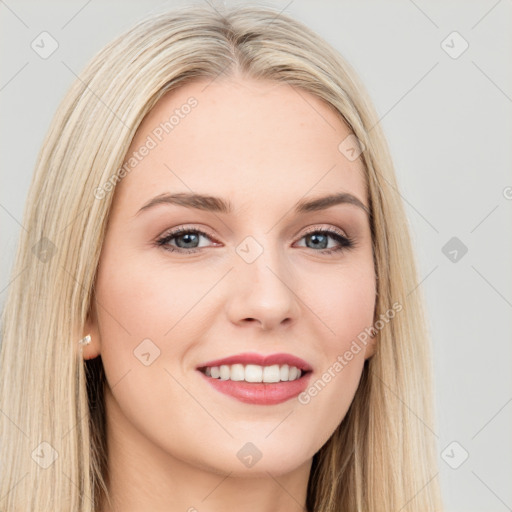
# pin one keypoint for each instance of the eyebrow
(219, 205)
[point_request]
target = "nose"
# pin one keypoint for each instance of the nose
(263, 293)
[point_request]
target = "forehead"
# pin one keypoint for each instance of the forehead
(243, 139)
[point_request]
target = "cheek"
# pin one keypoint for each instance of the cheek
(350, 306)
(343, 301)
(146, 322)
(150, 314)
(141, 300)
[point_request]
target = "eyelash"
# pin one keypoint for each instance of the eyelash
(344, 241)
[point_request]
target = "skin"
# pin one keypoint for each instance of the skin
(173, 439)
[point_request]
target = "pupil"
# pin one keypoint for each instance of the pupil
(187, 236)
(314, 238)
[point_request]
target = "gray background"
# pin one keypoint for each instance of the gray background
(449, 125)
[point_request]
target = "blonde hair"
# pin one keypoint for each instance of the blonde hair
(381, 457)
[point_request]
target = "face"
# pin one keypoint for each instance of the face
(184, 281)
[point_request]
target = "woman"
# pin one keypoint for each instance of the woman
(216, 305)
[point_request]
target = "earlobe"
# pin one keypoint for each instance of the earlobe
(90, 344)
(88, 347)
(371, 346)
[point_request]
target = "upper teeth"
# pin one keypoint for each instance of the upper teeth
(254, 372)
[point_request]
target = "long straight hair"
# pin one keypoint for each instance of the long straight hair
(52, 421)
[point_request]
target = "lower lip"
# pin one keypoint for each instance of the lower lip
(260, 393)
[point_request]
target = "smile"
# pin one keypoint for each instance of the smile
(254, 373)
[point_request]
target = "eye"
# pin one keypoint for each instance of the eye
(186, 240)
(319, 238)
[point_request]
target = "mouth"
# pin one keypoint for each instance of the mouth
(254, 367)
(254, 373)
(257, 379)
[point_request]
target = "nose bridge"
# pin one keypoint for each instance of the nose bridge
(263, 286)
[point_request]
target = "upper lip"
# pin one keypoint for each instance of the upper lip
(261, 360)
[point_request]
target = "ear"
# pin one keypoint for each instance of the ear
(371, 346)
(93, 349)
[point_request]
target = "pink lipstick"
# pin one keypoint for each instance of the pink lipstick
(258, 379)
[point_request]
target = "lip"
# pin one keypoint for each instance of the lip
(260, 393)
(261, 360)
